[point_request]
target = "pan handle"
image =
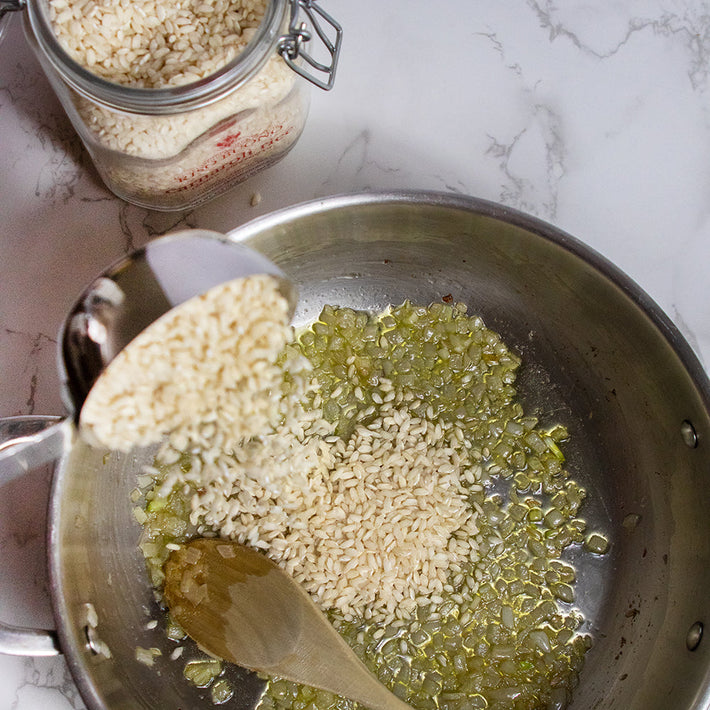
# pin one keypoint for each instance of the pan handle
(27, 443)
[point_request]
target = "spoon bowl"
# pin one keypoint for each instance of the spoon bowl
(239, 605)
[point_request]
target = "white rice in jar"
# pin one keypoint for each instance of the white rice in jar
(177, 159)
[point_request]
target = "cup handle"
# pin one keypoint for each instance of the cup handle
(26, 443)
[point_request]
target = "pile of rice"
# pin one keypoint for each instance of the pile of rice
(372, 526)
(209, 360)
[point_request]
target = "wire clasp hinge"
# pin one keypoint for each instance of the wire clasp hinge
(292, 46)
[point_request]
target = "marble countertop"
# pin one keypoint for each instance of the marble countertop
(592, 116)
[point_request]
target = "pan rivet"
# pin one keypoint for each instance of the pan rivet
(690, 436)
(94, 644)
(90, 633)
(692, 640)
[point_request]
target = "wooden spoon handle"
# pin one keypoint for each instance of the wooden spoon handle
(326, 660)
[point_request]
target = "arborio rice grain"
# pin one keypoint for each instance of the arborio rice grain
(371, 525)
(209, 360)
(161, 137)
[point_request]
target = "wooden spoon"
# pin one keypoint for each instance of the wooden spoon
(240, 606)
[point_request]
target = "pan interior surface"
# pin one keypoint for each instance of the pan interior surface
(597, 357)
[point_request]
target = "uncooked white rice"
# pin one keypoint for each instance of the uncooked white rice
(209, 360)
(371, 526)
(154, 43)
(161, 137)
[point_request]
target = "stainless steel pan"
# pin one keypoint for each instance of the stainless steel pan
(597, 354)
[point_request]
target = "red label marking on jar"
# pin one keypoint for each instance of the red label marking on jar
(228, 140)
(236, 151)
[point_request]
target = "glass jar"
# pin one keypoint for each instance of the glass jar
(174, 147)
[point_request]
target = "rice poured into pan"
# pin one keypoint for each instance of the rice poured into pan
(372, 484)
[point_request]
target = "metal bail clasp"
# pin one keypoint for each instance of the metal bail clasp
(291, 46)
